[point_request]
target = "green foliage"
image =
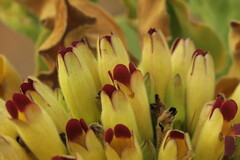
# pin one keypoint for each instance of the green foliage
(131, 35)
(203, 36)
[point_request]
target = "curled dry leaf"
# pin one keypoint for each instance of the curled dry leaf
(69, 20)
(153, 14)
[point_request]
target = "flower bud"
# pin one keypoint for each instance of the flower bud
(78, 86)
(182, 51)
(9, 79)
(111, 52)
(8, 128)
(83, 141)
(131, 82)
(215, 134)
(35, 127)
(120, 144)
(156, 60)
(115, 106)
(176, 145)
(11, 150)
(176, 97)
(44, 97)
(199, 86)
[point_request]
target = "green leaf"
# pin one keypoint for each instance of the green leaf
(132, 7)
(202, 35)
(217, 14)
(19, 19)
(131, 35)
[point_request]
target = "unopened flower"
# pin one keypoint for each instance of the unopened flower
(156, 60)
(121, 144)
(199, 86)
(110, 52)
(77, 84)
(32, 122)
(215, 133)
(130, 80)
(176, 146)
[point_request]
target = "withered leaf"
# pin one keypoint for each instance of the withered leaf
(153, 14)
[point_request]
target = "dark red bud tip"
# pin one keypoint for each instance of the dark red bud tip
(27, 86)
(229, 109)
(21, 101)
(73, 129)
(229, 146)
(121, 131)
(234, 24)
(199, 52)
(176, 134)
(64, 50)
(108, 136)
(122, 74)
(84, 125)
(217, 104)
(62, 158)
(109, 89)
(12, 109)
(132, 67)
(151, 31)
(236, 129)
(175, 44)
(108, 38)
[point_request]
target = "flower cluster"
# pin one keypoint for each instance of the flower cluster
(109, 108)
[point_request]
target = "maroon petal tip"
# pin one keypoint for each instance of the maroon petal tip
(176, 134)
(151, 31)
(121, 131)
(21, 101)
(229, 109)
(108, 38)
(84, 125)
(217, 104)
(12, 109)
(108, 136)
(73, 129)
(236, 129)
(109, 89)
(62, 158)
(175, 44)
(64, 50)
(199, 52)
(229, 146)
(122, 74)
(132, 67)
(27, 86)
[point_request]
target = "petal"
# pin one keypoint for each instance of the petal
(229, 110)
(230, 147)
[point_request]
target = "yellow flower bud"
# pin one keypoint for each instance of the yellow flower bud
(131, 82)
(35, 127)
(7, 127)
(9, 79)
(175, 146)
(199, 86)
(111, 52)
(120, 144)
(44, 97)
(11, 150)
(156, 60)
(115, 106)
(83, 141)
(182, 51)
(78, 87)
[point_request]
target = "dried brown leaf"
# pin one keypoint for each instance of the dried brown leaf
(153, 14)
